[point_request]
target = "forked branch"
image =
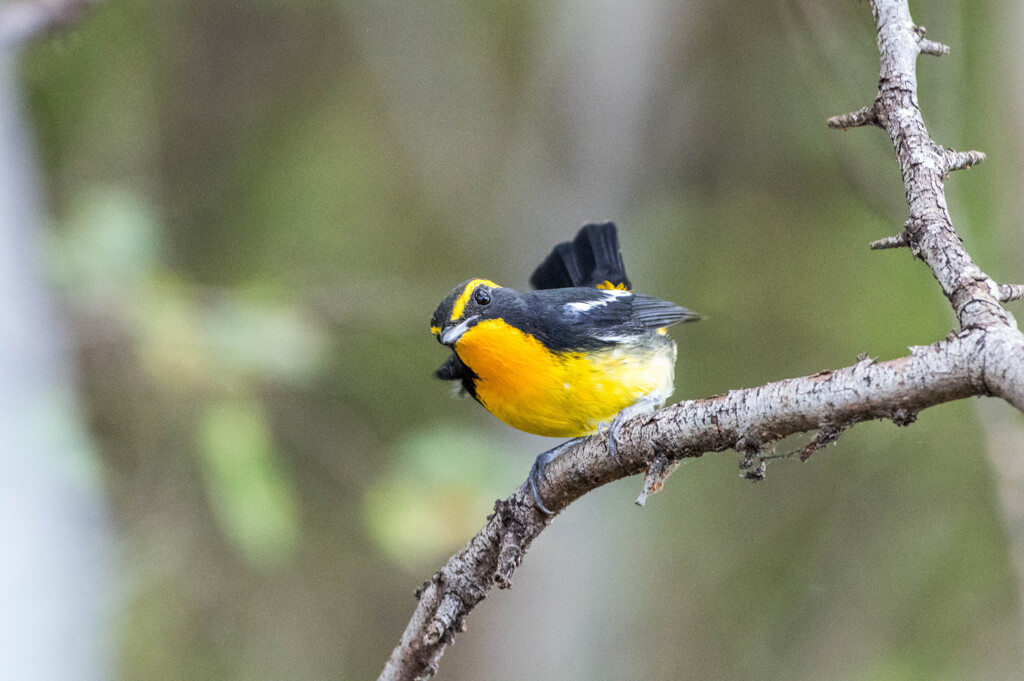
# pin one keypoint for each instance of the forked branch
(986, 357)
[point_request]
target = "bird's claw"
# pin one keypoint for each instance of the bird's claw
(537, 471)
(641, 406)
(536, 495)
(613, 435)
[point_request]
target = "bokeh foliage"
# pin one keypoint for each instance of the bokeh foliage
(257, 206)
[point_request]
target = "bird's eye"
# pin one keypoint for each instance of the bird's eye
(482, 296)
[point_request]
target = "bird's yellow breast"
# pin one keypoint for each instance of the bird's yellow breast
(560, 394)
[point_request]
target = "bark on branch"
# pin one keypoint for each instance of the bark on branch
(986, 357)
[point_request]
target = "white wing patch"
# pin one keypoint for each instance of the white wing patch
(609, 296)
(588, 305)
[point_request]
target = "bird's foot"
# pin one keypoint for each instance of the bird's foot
(613, 433)
(641, 406)
(537, 471)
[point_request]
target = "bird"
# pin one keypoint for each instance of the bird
(579, 353)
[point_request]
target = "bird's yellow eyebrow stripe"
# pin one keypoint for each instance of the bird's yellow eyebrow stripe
(460, 303)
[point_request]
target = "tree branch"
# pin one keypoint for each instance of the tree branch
(985, 358)
(830, 400)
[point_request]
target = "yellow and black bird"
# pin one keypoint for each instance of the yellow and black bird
(580, 352)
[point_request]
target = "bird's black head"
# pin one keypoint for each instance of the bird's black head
(468, 303)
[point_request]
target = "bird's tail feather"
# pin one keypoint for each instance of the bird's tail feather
(592, 259)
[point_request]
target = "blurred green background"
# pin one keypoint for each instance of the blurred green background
(255, 207)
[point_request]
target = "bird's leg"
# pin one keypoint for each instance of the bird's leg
(645, 404)
(538, 470)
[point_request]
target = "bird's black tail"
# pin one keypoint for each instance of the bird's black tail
(592, 259)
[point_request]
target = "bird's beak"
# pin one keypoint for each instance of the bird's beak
(451, 334)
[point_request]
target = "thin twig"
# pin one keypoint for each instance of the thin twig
(900, 240)
(926, 46)
(658, 470)
(962, 160)
(1011, 292)
(855, 119)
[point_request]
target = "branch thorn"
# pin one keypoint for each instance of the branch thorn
(1009, 292)
(962, 160)
(511, 548)
(827, 434)
(864, 116)
(900, 240)
(929, 46)
(754, 462)
(418, 593)
(446, 620)
(657, 471)
(904, 417)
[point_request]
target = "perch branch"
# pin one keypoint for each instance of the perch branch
(896, 390)
(986, 357)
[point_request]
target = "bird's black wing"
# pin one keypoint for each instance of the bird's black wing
(592, 259)
(579, 318)
(453, 369)
(654, 313)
